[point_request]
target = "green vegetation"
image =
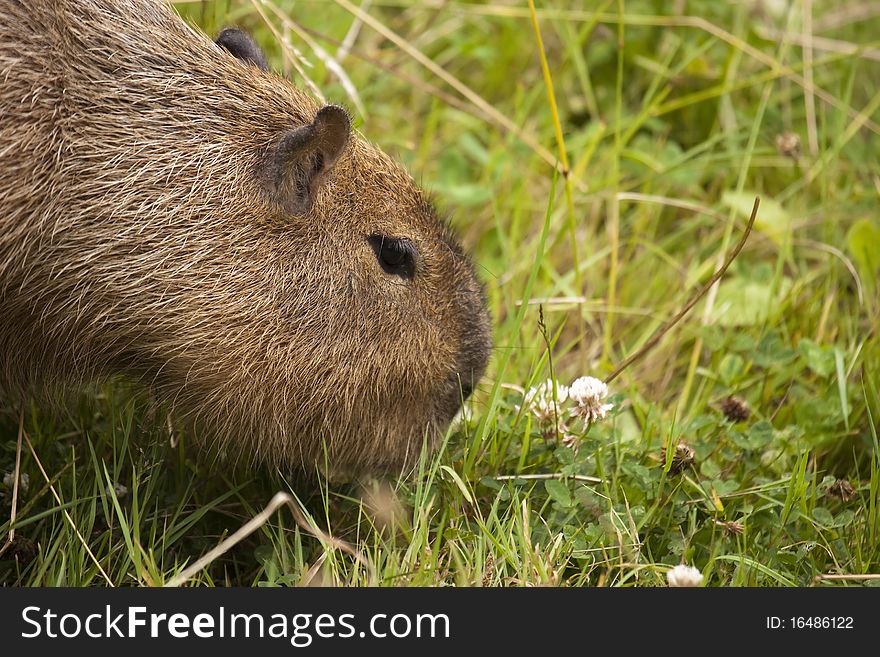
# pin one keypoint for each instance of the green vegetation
(668, 141)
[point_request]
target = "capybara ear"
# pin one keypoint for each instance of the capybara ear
(241, 46)
(306, 155)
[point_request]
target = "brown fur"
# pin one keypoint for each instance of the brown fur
(140, 235)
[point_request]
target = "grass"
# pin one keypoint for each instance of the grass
(595, 212)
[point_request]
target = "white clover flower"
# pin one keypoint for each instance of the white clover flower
(588, 393)
(683, 576)
(539, 400)
(570, 440)
(24, 481)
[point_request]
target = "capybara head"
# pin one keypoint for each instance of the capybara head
(171, 210)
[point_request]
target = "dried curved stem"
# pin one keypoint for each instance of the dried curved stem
(663, 330)
(279, 499)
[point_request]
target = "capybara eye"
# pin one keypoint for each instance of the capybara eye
(396, 256)
(392, 254)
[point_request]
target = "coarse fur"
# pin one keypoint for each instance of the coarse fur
(147, 230)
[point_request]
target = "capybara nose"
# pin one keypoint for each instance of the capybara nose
(473, 360)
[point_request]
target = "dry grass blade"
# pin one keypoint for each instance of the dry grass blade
(841, 578)
(64, 511)
(329, 60)
(670, 202)
(840, 255)
(17, 475)
(352, 34)
(314, 570)
(663, 330)
(456, 84)
(809, 96)
(280, 499)
(293, 55)
(548, 476)
(847, 14)
(417, 83)
(822, 43)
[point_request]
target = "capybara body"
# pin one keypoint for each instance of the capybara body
(179, 215)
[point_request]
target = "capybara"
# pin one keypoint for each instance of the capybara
(173, 212)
